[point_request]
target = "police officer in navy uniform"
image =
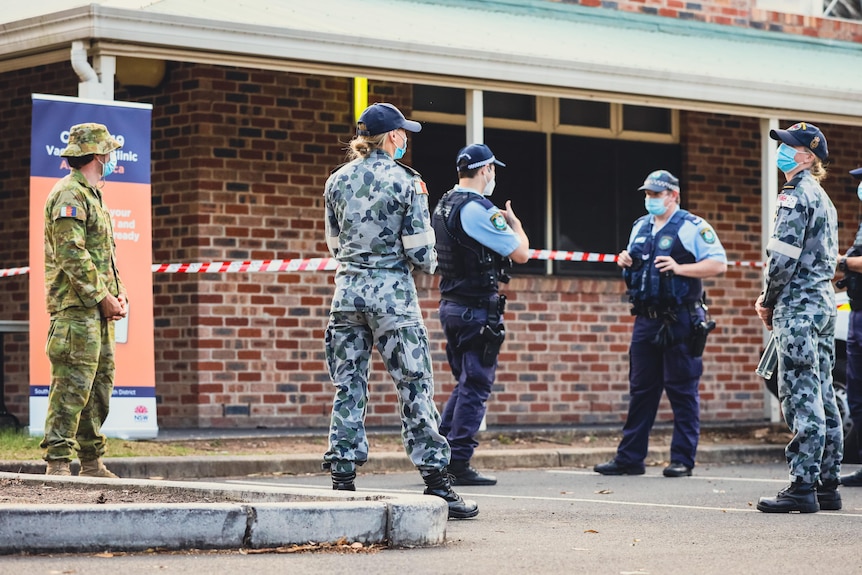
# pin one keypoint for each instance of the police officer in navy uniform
(475, 243)
(670, 251)
(798, 305)
(851, 265)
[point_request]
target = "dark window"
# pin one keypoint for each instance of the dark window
(595, 197)
(646, 119)
(434, 151)
(438, 99)
(522, 181)
(509, 106)
(585, 113)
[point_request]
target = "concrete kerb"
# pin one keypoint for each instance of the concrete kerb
(200, 467)
(262, 517)
(270, 516)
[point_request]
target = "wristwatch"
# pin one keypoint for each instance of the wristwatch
(842, 264)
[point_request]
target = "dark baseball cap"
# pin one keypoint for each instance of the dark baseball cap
(805, 135)
(475, 156)
(381, 118)
(660, 181)
(857, 172)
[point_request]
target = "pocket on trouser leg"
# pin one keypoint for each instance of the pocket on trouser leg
(406, 352)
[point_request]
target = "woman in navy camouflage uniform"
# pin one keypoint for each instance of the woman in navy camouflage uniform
(378, 227)
(798, 305)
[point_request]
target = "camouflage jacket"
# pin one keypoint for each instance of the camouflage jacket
(378, 227)
(803, 250)
(80, 253)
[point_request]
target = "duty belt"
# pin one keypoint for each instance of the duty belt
(495, 304)
(656, 312)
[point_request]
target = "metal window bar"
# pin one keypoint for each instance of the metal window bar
(848, 9)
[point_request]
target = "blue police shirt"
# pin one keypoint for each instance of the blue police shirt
(697, 237)
(484, 226)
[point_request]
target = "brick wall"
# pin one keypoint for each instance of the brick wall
(239, 162)
(15, 125)
(239, 175)
(741, 13)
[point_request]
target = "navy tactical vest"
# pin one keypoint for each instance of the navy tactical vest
(853, 280)
(647, 286)
(467, 268)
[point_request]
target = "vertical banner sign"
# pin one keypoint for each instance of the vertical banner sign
(127, 194)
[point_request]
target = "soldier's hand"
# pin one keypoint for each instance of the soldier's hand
(764, 313)
(110, 307)
(124, 305)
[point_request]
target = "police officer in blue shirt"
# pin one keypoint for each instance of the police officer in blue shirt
(851, 265)
(670, 251)
(475, 243)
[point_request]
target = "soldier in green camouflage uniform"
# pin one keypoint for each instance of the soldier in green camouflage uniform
(378, 228)
(84, 297)
(798, 304)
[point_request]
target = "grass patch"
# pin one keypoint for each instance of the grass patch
(17, 446)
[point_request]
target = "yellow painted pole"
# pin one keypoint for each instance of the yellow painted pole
(360, 96)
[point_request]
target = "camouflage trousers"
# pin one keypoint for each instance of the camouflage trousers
(806, 355)
(402, 341)
(81, 349)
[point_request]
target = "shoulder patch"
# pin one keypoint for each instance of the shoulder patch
(65, 211)
(498, 221)
(419, 186)
(787, 201)
(708, 235)
(412, 171)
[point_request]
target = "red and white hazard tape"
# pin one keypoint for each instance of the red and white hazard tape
(327, 264)
(14, 272)
(571, 256)
(297, 265)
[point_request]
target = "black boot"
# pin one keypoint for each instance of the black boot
(461, 473)
(852, 480)
(437, 483)
(343, 481)
(797, 497)
(828, 496)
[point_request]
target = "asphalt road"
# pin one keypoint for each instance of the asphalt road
(563, 521)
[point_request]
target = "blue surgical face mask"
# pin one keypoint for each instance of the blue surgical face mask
(655, 206)
(399, 152)
(786, 160)
(109, 166)
(859, 190)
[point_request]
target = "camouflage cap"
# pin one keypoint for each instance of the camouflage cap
(89, 138)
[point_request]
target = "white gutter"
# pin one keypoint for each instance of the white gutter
(80, 64)
(93, 85)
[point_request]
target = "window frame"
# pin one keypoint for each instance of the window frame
(548, 123)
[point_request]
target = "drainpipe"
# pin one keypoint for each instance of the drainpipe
(91, 86)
